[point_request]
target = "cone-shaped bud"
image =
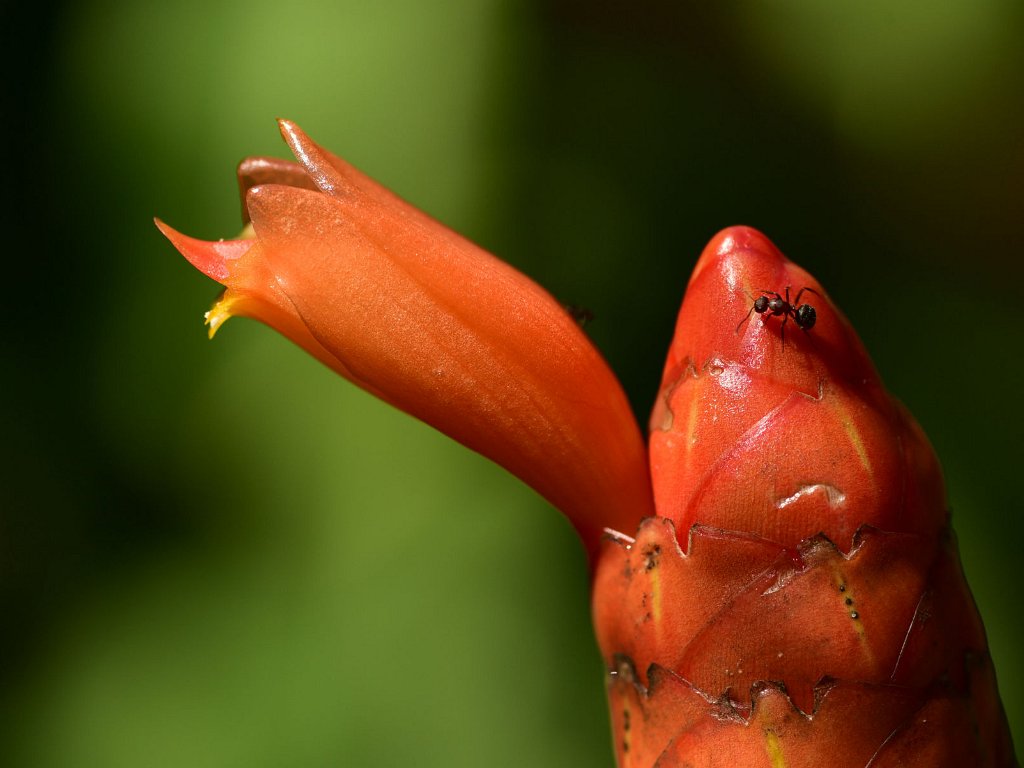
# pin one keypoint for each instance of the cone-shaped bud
(422, 318)
(799, 600)
(775, 429)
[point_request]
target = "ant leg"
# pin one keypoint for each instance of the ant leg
(784, 319)
(745, 318)
(802, 290)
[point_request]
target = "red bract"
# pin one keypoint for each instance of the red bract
(799, 601)
(791, 596)
(781, 441)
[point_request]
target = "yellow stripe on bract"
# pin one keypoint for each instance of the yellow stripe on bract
(691, 422)
(774, 747)
(858, 627)
(219, 312)
(848, 603)
(851, 432)
(655, 577)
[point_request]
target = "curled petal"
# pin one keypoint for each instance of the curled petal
(429, 322)
(254, 171)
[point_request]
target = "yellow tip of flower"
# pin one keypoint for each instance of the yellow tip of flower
(219, 312)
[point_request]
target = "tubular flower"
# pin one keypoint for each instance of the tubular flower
(779, 587)
(422, 318)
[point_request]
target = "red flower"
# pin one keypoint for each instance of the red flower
(791, 596)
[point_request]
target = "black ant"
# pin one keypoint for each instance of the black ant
(804, 315)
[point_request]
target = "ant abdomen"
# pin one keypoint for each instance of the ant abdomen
(805, 316)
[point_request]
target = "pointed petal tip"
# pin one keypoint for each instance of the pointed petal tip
(317, 162)
(212, 258)
(288, 128)
(297, 139)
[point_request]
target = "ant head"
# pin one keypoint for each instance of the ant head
(805, 316)
(761, 304)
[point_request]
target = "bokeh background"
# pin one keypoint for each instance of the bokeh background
(219, 554)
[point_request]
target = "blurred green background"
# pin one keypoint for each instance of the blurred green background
(219, 554)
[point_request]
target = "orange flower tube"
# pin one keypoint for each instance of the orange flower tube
(422, 318)
(776, 583)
